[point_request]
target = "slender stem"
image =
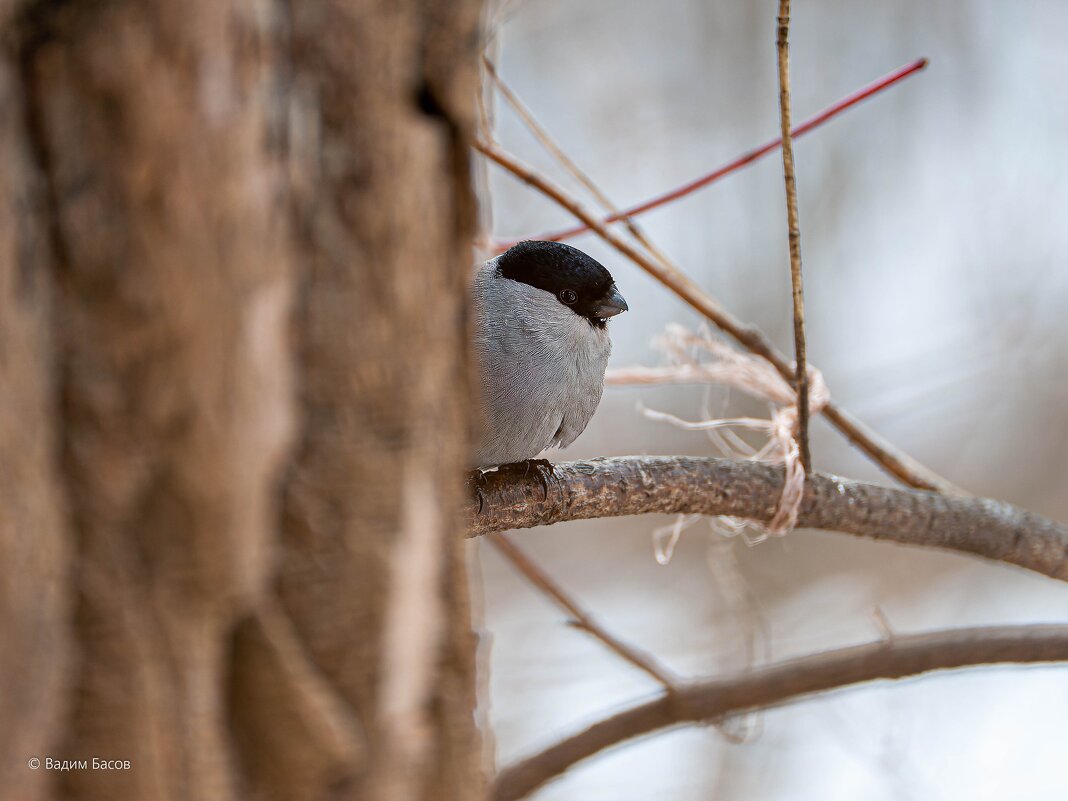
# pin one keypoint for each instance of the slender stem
(892, 460)
(582, 619)
(788, 681)
(745, 159)
(794, 226)
(542, 135)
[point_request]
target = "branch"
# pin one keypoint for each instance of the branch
(794, 227)
(542, 135)
(736, 164)
(895, 462)
(580, 617)
(788, 681)
(632, 485)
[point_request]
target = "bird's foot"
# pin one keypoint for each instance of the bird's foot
(544, 469)
(477, 482)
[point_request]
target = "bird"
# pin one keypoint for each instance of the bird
(541, 344)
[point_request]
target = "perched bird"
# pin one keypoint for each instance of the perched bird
(542, 345)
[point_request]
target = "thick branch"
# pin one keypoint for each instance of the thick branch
(514, 498)
(787, 681)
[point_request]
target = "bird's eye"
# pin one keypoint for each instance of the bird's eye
(568, 296)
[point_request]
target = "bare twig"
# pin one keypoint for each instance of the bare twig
(794, 226)
(580, 617)
(635, 485)
(542, 135)
(534, 573)
(792, 451)
(892, 460)
(788, 681)
(736, 164)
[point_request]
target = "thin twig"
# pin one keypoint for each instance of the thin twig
(895, 462)
(794, 226)
(542, 135)
(785, 682)
(736, 164)
(636, 485)
(520, 559)
(581, 618)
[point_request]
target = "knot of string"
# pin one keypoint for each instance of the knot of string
(699, 358)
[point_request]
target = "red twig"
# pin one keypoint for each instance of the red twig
(828, 113)
(894, 461)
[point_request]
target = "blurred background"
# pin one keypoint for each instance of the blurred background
(934, 225)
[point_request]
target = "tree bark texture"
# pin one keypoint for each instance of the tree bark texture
(35, 547)
(512, 497)
(233, 381)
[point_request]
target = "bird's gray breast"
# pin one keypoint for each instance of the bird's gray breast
(541, 367)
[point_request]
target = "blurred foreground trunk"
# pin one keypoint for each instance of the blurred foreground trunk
(233, 400)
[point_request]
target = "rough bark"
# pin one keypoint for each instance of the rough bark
(235, 236)
(515, 497)
(151, 121)
(371, 572)
(34, 545)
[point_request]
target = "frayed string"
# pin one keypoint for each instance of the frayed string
(699, 358)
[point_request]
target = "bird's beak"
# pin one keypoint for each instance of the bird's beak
(610, 305)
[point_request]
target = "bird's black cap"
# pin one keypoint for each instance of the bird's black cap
(577, 281)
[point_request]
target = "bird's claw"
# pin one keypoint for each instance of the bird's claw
(544, 469)
(478, 482)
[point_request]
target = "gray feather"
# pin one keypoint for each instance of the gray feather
(541, 369)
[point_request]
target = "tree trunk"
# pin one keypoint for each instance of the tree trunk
(233, 365)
